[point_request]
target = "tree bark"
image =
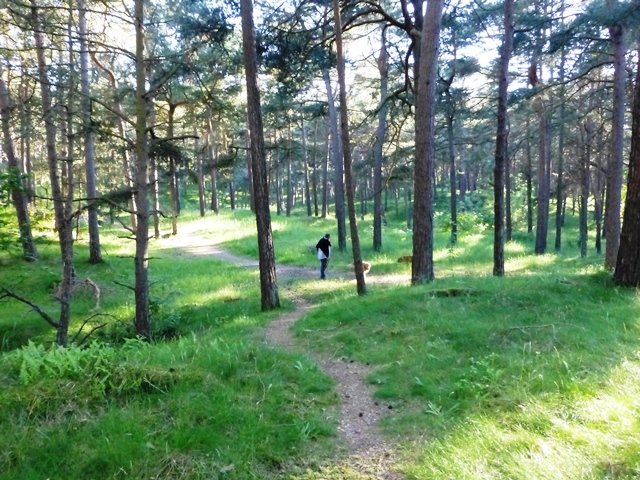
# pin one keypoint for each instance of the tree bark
(200, 174)
(615, 167)
(268, 283)
(305, 164)
(361, 286)
(422, 264)
(63, 224)
(215, 204)
(95, 252)
(19, 196)
(338, 166)
(627, 270)
(141, 260)
(585, 170)
(502, 154)
(378, 211)
(560, 183)
(542, 223)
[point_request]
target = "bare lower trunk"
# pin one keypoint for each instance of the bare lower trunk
(422, 265)
(346, 153)
(502, 154)
(95, 253)
(63, 223)
(268, 284)
(141, 260)
(338, 166)
(584, 190)
(378, 211)
(628, 260)
(615, 167)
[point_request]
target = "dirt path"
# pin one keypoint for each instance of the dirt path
(359, 412)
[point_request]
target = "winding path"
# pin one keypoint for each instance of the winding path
(359, 412)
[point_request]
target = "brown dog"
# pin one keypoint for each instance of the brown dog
(406, 259)
(366, 266)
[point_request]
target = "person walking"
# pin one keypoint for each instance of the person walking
(324, 252)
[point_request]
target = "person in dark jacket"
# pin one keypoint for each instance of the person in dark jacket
(324, 252)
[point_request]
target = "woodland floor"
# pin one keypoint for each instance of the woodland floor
(359, 413)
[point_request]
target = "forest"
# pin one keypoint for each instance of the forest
(168, 167)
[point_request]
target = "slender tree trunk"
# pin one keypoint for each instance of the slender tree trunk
(316, 210)
(200, 174)
(628, 259)
(529, 180)
(338, 166)
(290, 192)
(173, 170)
(63, 224)
(560, 183)
(141, 260)
(502, 154)
(18, 192)
(215, 205)
(346, 153)
(95, 253)
(268, 283)
(305, 161)
(325, 178)
(584, 191)
(378, 212)
(422, 265)
(615, 167)
(542, 223)
(507, 196)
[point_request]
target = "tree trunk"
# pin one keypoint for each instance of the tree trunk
(268, 283)
(316, 210)
(615, 167)
(141, 260)
(378, 212)
(542, 223)
(173, 170)
(361, 286)
(422, 265)
(529, 179)
(502, 154)
(628, 259)
(305, 163)
(95, 253)
(560, 183)
(18, 194)
(63, 224)
(325, 177)
(200, 174)
(289, 205)
(215, 204)
(584, 190)
(338, 166)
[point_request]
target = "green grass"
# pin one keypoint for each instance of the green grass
(532, 376)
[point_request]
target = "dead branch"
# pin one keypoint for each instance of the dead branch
(9, 294)
(87, 320)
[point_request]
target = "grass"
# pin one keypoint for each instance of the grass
(532, 376)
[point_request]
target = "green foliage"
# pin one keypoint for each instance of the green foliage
(102, 368)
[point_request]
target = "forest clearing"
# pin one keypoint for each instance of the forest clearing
(531, 375)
